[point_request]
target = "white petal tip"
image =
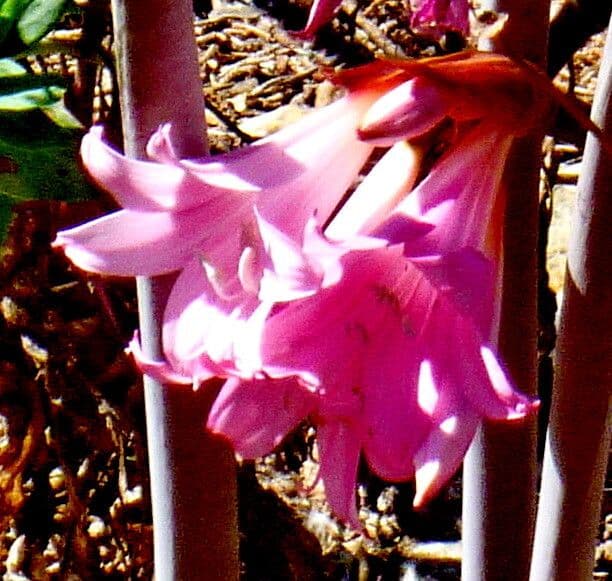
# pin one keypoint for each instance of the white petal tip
(426, 482)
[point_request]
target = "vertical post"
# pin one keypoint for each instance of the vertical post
(500, 469)
(193, 479)
(580, 429)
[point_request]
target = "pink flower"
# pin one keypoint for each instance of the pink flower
(383, 322)
(396, 360)
(200, 217)
(435, 17)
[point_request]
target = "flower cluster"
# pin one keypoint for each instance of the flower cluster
(429, 17)
(377, 320)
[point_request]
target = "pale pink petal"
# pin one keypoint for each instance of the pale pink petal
(201, 327)
(325, 148)
(161, 371)
(404, 112)
(290, 165)
(459, 202)
(255, 417)
(247, 351)
(103, 245)
(289, 168)
(294, 270)
(151, 186)
(287, 274)
(387, 183)
(130, 243)
(160, 148)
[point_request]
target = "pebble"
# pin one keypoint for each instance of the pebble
(96, 528)
(57, 479)
(16, 555)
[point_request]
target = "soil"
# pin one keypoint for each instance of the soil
(73, 461)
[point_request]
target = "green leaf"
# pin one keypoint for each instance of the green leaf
(17, 83)
(32, 99)
(61, 116)
(10, 68)
(20, 91)
(38, 18)
(38, 161)
(10, 11)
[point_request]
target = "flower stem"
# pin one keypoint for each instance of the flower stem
(580, 428)
(500, 470)
(193, 479)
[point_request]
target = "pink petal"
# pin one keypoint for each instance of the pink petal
(454, 419)
(456, 353)
(396, 425)
(289, 274)
(327, 156)
(321, 12)
(438, 16)
(339, 446)
(517, 404)
(103, 245)
(466, 278)
(497, 400)
(160, 148)
(442, 453)
(308, 337)
(256, 416)
(161, 371)
(299, 270)
(458, 201)
(289, 165)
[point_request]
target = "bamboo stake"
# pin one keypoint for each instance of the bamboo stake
(193, 479)
(580, 429)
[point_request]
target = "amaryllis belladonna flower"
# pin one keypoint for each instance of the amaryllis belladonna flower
(380, 329)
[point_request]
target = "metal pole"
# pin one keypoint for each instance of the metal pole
(578, 437)
(499, 483)
(193, 475)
